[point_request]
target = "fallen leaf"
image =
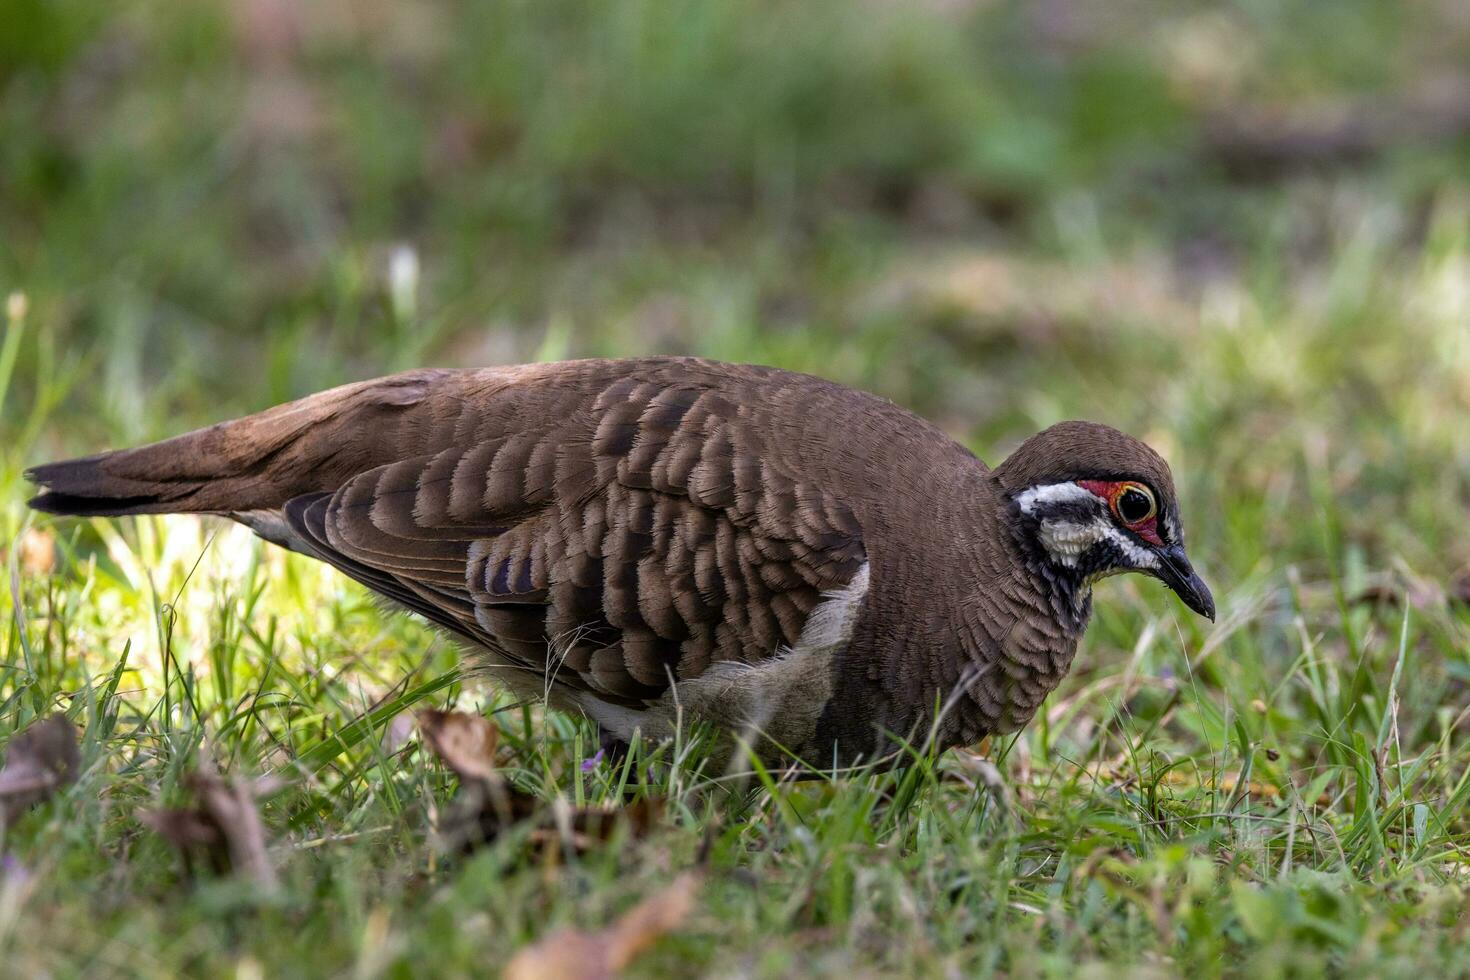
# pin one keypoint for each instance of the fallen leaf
(985, 773)
(483, 810)
(581, 828)
(480, 812)
(570, 954)
(192, 833)
(464, 741)
(38, 762)
(224, 826)
(36, 551)
(487, 804)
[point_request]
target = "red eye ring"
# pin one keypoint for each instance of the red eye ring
(1124, 505)
(1133, 503)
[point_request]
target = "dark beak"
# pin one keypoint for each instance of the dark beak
(1175, 571)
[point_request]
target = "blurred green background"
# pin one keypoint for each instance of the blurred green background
(1235, 229)
(1175, 217)
(1239, 230)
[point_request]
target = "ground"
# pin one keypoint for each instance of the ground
(1240, 232)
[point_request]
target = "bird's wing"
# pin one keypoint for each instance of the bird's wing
(635, 540)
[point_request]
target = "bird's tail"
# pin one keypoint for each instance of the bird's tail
(253, 463)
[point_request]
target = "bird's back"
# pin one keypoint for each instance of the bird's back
(603, 529)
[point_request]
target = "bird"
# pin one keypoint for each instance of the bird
(820, 576)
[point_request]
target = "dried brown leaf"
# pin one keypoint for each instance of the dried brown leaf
(464, 741)
(570, 954)
(224, 826)
(192, 834)
(485, 809)
(36, 551)
(39, 761)
(981, 772)
(481, 811)
(580, 829)
(487, 804)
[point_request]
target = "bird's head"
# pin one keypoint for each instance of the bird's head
(1088, 501)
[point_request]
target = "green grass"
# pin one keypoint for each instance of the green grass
(998, 218)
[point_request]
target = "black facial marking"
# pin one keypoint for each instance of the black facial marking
(1069, 587)
(1068, 593)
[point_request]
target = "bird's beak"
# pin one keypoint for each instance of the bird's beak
(1175, 571)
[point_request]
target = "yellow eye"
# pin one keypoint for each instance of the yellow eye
(1134, 503)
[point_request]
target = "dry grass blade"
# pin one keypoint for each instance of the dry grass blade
(224, 826)
(40, 760)
(570, 954)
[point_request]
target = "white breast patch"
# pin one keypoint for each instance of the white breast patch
(1066, 541)
(782, 697)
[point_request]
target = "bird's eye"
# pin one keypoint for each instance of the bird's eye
(1134, 504)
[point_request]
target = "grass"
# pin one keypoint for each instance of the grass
(1281, 794)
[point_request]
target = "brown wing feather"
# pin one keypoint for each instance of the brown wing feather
(641, 538)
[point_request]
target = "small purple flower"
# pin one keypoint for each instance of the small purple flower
(593, 762)
(12, 870)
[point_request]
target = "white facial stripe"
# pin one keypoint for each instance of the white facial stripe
(1054, 493)
(1137, 556)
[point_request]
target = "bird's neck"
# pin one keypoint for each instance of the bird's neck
(1067, 592)
(1018, 629)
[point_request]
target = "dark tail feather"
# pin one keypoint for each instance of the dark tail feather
(253, 463)
(83, 488)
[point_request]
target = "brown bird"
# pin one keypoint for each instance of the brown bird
(664, 538)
